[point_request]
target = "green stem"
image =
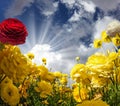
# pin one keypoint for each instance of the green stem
(79, 92)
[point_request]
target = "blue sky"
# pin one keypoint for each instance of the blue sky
(60, 30)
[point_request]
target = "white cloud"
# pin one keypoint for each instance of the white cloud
(81, 7)
(55, 4)
(88, 6)
(17, 7)
(75, 17)
(85, 52)
(55, 60)
(44, 51)
(69, 3)
(47, 7)
(62, 60)
(106, 4)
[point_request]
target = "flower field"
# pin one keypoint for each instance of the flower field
(95, 83)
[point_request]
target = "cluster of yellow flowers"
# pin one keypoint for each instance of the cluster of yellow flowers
(18, 74)
(100, 74)
(14, 64)
(105, 38)
(20, 78)
(99, 71)
(111, 34)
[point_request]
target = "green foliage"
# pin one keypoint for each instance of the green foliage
(112, 95)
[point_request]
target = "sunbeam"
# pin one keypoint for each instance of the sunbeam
(44, 31)
(32, 30)
(58, 43)
(55, 37)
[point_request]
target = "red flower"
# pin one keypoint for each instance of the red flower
(12, 31)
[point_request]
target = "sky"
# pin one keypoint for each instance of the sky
(61, 30)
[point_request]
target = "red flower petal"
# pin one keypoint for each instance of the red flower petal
(13, 31)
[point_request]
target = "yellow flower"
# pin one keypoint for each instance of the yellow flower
(77, 59)
(45, 102)
(79, 73)
(43, 71)
(100, 65)
(30, 55)
(6, 81)
(86, 78)
(64, 75)
(10, 94)
(44, 60)
(116, 41)
(80, 94)
(49, 77)
(75, 72)
(93, 103)
(44, 88)
(96, 59)
(63, 80)
(74, 85)
(97, 43)
(57, 74)
(112, 56)
(98, 81)
(105, 37)
(14, 64)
